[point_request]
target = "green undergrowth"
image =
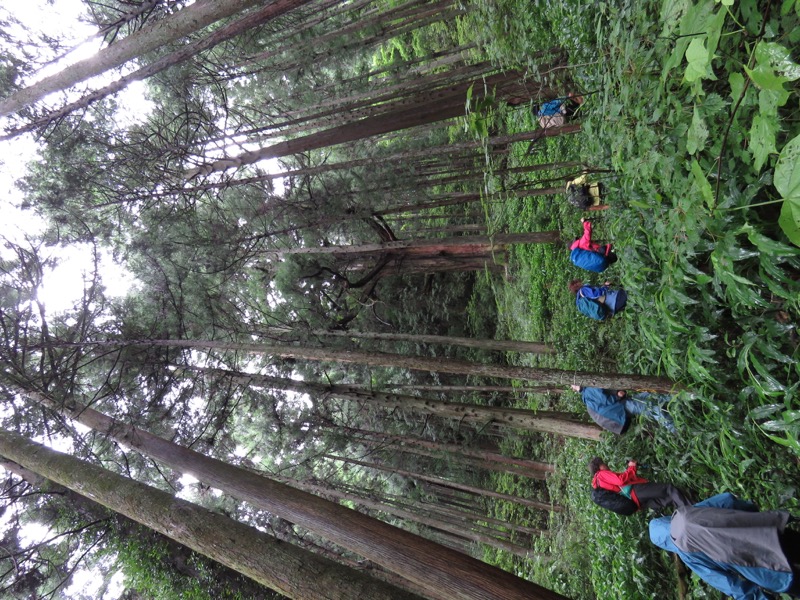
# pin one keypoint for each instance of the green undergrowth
(696, 115)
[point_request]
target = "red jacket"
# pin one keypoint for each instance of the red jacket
(608, 480)
(585, 241)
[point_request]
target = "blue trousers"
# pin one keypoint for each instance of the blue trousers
(649, 405)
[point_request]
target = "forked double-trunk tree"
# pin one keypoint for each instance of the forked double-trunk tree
(446, 574)
(294, 572)
(159, 33)
(184, 52)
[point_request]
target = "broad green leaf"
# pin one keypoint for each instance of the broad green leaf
(762, 412)
(787, 170)
(697, 56)
(703, 184)
(724, 2)
(790, 220)
(671, 12)
(698, 133)
(778, 57)
(766, 245)
(743, 361)
(751, 15)
(736, 80)
(762, 139)
(696, 17)
(714, 31)
(770, 100)
(675, 58)
(790, 416)
(789, 442)
(769, 383)
(765, 78)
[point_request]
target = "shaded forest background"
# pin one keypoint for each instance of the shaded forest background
(348, 232)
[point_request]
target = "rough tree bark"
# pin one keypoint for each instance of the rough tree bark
(447, 575)
(226, 32)
(453, 484)
(429, 364)
(564, 424)
(289, 570)
(483, 344)
(164, 31)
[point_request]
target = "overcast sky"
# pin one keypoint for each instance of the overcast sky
(63, 285)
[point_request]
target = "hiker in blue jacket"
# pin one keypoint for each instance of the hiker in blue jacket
(598, 302)
(554, 113)
(733, 547)
(613, 409)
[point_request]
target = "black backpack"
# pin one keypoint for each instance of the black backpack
(614, 502)
(580, 196)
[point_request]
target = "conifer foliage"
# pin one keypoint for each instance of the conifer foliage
(300, 202)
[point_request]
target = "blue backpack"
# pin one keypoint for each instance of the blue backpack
(588, 260)
(590, 308)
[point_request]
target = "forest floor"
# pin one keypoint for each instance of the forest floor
(695, 157)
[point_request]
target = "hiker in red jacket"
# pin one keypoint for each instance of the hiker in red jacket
(643, 493)
(585, 243)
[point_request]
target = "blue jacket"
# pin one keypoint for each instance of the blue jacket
(606, 409)
(739, 582)
(553, 107)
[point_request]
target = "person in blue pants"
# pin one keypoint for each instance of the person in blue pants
(733, 547)
(613, 409)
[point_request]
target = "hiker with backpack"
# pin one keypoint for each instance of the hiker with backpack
(588, 255)
(554, 113)
(613, 409)
(585, 195)
(625, 493)
(733, 547)
(598, 302)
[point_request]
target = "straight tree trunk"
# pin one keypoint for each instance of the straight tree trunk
(496, 143)
(445, 105)
(435, 245)
(262, 15)
(162, 32)
(471, 517)
(452, 484)
(475, 464)
(563, 424)
(289, 570)
(485, 389)
(362, 21)
(444, 449)
(416, 363)
(482, 344)
(447, 575)
(428, 521)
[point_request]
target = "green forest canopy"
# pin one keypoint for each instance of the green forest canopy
(357, 196)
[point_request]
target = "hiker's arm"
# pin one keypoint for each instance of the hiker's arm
(628, 475)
